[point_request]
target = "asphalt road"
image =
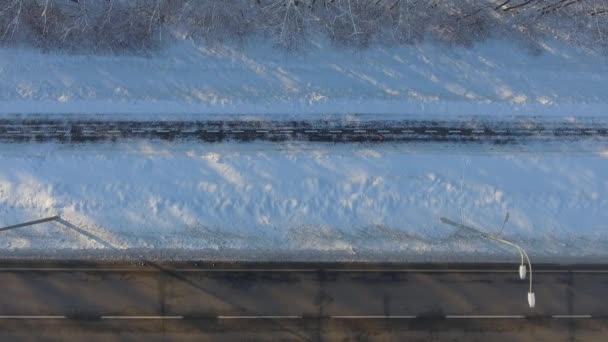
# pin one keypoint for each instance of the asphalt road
(458, 131)
(300, 302)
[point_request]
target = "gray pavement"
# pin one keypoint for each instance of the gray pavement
(309, 302)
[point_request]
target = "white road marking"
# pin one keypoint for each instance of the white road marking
(189, 131)
(384, 131)
(485, 316)
(212, 131)
(62, 132)
(195, 270)
(286, 132)
(87, 132)
(13, 132)
(375, 317)
(478, 131)
(148, 269)
(235, 317)
(261, 131)
(430, 270)
(335, 131)
(407, 131)
(162, 131)
(237, 131)
(114, 131)
(304, 270)
(359, 131)
(431, 131)
(259, 317)
(591, 132)
(138, 131)
(454, 131)
(142, 317)
(311, 131)
(32, 317)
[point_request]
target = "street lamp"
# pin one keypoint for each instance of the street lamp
(522, 253)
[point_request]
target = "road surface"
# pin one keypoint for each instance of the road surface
(300, 302)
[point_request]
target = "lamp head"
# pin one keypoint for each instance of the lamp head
(531, 299)
(522, 271)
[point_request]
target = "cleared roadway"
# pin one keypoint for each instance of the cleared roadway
(304, 302)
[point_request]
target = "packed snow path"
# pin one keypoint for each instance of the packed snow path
(499, 132)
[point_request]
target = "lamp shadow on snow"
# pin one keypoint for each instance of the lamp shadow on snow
(83, 232)
(201, 284)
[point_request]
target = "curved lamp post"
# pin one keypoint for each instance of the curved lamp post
(522, 253)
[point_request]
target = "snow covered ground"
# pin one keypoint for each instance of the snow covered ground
(363, 202)
(499, 78)
(306, 201)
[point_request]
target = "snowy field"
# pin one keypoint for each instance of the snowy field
(302, 201)
(495, 78)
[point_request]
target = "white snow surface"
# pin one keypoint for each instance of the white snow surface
(493, 78)
(293, 201)
(360, 201)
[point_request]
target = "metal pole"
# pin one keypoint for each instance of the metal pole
(521, 251)
(493, 237)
